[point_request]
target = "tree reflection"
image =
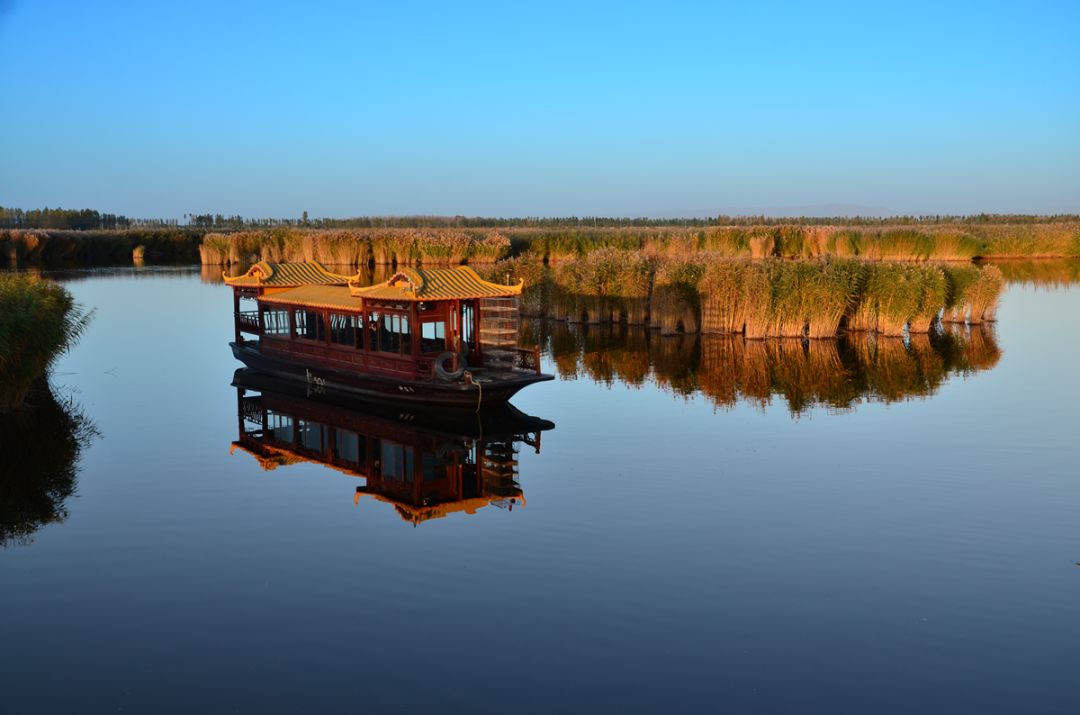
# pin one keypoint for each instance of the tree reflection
(40, 443)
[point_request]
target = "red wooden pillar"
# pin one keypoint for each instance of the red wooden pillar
(476, 332)
(236, 315)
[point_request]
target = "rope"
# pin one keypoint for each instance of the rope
(479, 395)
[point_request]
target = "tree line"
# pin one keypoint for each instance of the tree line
(90, 219)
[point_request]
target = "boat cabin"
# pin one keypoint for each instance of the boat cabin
(400, 328)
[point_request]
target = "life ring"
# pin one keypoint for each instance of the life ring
(440, 365)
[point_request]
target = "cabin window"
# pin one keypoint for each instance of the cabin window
(468, 325)
(349, 447)
(312, 435)
(396, 462)
(310, 325)
(343, 329)
(390, 333)
(280, 426)
(433, 336)
(432, 468)
(275, 322)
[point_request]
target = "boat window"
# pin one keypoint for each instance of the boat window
(349, 447)
(281, 427)
(309, 325)
(433, 336)
(390, 333)
(343, 329)
(275, 322)
(397, 462)
(468, 332)
(312, 435)
(432, 468)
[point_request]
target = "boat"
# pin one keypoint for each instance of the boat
(426, 464)
(443, 337)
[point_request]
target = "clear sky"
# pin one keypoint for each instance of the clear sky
(547, 108)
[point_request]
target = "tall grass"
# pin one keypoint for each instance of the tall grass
(676, 303)
(772, 298)
(39, 320)
(356, 247)
(55, 246)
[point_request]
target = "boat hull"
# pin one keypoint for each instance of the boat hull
(486, 390)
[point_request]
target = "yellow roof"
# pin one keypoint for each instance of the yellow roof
(417, 284)
(326, 296)
(283, 275)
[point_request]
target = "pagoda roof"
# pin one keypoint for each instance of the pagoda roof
(284, 275)
(416, 284)
(419, 514)
(332, 297)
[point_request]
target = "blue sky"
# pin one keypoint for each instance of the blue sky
(511, 109)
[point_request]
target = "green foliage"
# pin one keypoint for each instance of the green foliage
(39, 320)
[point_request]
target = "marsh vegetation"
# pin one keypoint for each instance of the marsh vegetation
(711, 293)
(39, 320)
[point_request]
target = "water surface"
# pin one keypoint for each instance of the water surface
(710, 526)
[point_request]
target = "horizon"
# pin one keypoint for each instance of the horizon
(612, 110)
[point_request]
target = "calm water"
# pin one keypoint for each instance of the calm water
(852, 528)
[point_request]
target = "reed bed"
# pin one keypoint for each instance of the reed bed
(774, 298)
(924, 242)
(973, 293)
(356, 247)
(39, 320)
(55, 246)
(605, 286)
(675, 305)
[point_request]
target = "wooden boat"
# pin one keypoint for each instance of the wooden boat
(427, 464)
(441, 337)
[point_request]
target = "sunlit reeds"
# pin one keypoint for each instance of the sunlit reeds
(356, 247)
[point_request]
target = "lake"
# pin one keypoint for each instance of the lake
(709, 525)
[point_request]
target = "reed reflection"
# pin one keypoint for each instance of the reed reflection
(835, 374)
(427, 465)
(1042, 273)
(41, 443)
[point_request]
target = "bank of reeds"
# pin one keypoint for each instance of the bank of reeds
(928, 242)
(773, 298)
(54, 246)
(356, 247)
(39, 320)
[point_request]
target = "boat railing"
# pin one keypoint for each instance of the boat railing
(513, 358)
(248, 319)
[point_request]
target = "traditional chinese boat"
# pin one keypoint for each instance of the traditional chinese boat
(442, 337)
(426, 464)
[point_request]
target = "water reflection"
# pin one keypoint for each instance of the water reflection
(426, 464)
(836, 374)
(1043, 273)
(40, 443)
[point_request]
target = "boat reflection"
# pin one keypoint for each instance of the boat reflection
(837, 375)
(426, 464)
